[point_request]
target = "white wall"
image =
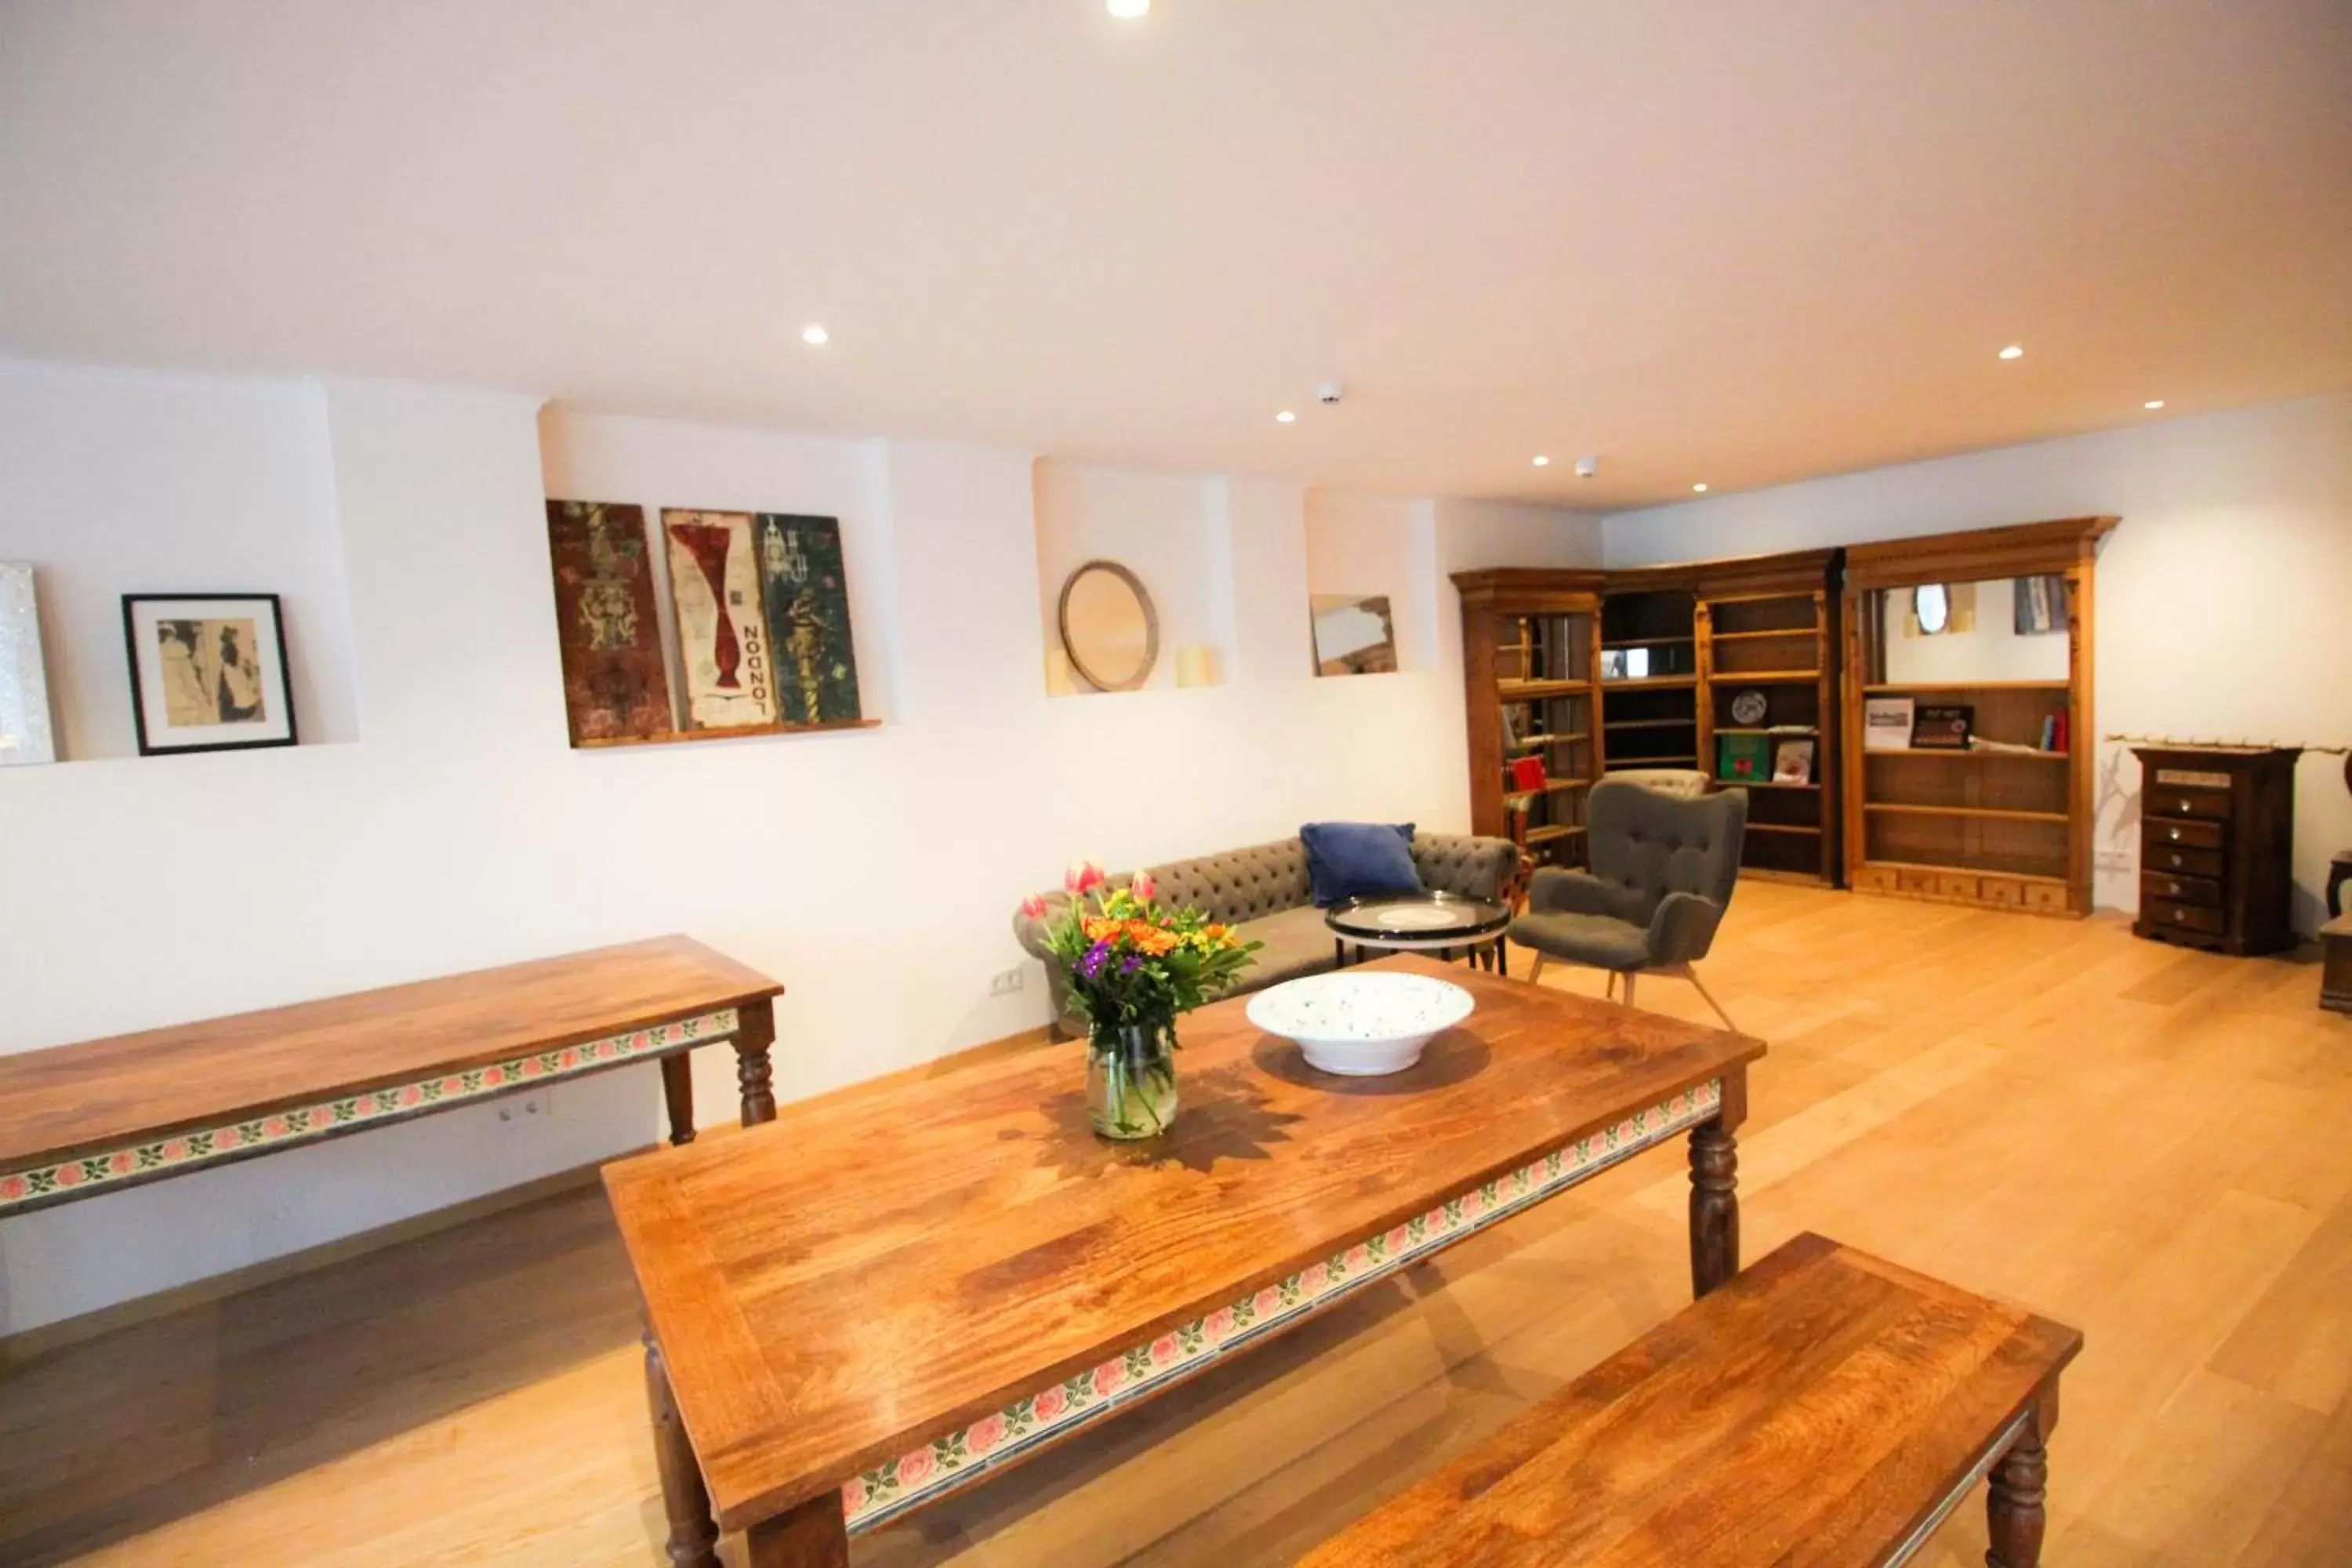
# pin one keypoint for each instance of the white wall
(872, 872)
(2220, 597)
(1990, 648)
(123, 483)
(1361, 546)
(1165, 528)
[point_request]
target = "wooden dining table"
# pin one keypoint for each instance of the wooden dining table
(887, 1296)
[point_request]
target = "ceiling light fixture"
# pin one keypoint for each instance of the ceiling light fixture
(2153, 403)
(2014, 351)
(1700, 486)
(1285, 418)
(1128, 10)
(1543, 462)
(813, 334)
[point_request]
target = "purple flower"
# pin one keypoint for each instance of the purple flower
(1130, 964)
(1091, 966)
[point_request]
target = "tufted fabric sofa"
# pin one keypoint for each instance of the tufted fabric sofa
(1264, 893)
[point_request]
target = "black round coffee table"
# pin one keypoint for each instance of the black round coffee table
(1442, 924)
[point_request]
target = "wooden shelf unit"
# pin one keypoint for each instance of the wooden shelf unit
(2004, 829)
(1529, 668)
(1707, 630)
(1769, 624)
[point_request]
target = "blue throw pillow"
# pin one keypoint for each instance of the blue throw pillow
(1358, 860)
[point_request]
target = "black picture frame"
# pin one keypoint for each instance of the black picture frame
(272, 676)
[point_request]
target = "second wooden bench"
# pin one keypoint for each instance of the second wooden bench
(1826, 1408)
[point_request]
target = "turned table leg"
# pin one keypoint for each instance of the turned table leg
(813, 1535)
(753, 1073)
(1714, 1207)
(677, 1093)
(693, 1533)
(2013, 1507)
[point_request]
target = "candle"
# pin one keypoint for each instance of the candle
(1196, 666)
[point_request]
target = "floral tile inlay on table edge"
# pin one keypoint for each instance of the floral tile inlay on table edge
(303, 1124)
(960, 1458)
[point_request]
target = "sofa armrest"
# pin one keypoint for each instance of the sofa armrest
(1466, 865)
(1683, 927)
(1556, 891)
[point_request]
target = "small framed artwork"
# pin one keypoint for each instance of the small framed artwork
(2040, 604)
(1353, 635)
(207, 671)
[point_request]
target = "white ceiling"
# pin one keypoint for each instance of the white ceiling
(1740, 241)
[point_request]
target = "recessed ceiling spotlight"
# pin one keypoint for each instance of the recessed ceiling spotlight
(2014, 351)
(2153, 403)
(1543, 462)
(813, 334)
(1700, 486)
(1285, 418)
(1128, 10)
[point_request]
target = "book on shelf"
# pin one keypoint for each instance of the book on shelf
(1739, 759)
(1793, 763)
(1527, 775)
(1886, 724)
(1942, 727)
(1510, 728)
(2053, 732)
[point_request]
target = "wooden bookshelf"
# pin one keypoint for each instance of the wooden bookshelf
(1530, 655)
(1685, 639)
(1769, 626)
(2004, 829)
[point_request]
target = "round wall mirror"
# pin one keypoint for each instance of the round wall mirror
(1932, 602)
(1108, 627)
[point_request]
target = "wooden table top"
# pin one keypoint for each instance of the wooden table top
(63, 1101)
(874, 1272)
(1817, 1409)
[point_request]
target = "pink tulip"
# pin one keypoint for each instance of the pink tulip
(1144, 889)
(1034, 906)
(1083, 877)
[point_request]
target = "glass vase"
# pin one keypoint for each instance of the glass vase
(1131, 1079)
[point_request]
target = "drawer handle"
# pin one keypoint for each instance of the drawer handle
(2175, 835)
(2181, 914)
(2184, 807)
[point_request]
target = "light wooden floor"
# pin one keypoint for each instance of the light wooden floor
(2153, 1145)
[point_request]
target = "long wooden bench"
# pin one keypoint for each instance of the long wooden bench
(98, 1117)
(1826, 1408)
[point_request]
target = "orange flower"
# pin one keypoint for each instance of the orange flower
(1100, 929)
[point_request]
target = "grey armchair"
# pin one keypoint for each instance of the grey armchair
(1663, 869)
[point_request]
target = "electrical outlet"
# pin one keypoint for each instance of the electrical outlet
(1006, 983)
(523, 1107)
(2113, 859)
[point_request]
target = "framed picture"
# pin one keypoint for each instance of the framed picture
(614, 684)
(722, 631)
(207, 671)
(1942, 727)
(2040, 604)
(806, 592)
(25, 733)
(1353, 635)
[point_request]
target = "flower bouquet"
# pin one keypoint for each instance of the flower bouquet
(1133, 965)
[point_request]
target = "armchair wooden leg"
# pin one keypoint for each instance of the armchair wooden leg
(1534, 965)
(1612, 985)
(1629, 987)
(1691, 974)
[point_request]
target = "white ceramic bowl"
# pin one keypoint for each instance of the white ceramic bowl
(1360, 1025)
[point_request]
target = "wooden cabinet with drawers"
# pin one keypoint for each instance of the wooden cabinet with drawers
(2217, 842)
